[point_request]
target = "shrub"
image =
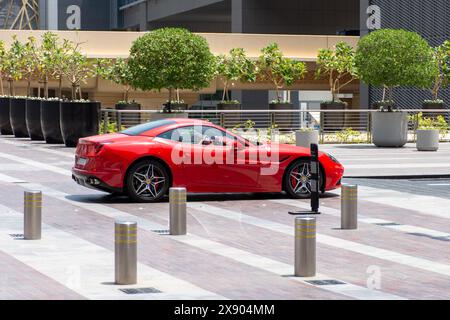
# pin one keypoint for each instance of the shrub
(338, 65)
(235, 67)
(171, 58)
(441, 56)
(280, 71)
(389, 58)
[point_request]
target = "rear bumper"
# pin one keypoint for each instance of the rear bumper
(92, 181)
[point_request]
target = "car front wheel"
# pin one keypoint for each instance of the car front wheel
(147, 181)
(298, 180)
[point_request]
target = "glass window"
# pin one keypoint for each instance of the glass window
(188, 134)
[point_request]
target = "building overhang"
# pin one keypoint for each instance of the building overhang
(113, 44)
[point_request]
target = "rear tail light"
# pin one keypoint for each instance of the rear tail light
(90, 148)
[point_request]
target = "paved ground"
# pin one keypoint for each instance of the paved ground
(238, 246)
(366, 160)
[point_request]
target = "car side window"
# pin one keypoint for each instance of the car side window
(216, 136)
(187, 134)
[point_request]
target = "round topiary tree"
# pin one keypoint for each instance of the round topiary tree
(171, 58)
(389, 58)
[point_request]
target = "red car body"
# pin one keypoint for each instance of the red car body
(102, 162)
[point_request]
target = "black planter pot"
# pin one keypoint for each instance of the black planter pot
(33, 119)
(435, 106)
(5, 123)
(332, 121)
(17, 117)
(50, 122)
(284, 121)
(230, 119)
(175, 107)
(129, 118)
(78, 120)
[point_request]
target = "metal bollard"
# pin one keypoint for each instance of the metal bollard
(349, 207)
(32, 215)
(125, 252)
(305, 246)
(177, 198)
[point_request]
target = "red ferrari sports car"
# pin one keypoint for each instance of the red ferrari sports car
(146, 160)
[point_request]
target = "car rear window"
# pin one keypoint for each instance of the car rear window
(139, 129)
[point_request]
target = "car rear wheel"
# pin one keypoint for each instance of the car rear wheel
(298, 179)
(147, 181)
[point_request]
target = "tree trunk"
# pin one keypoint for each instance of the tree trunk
(60, 88)
(74, 92)
(11, 87)
(28, 88)
(46, 87)
(170, 100)
(225, 89)
(1, 84)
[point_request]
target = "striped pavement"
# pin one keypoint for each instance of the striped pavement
(245, 244)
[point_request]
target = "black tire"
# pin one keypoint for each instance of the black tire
(144, 186)
(299, 189)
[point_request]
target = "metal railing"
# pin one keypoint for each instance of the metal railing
(335, 126)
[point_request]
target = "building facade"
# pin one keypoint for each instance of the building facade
(429, 18)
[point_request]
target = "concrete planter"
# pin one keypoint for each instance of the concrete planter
(306, 138)
(78, 120)
(5, 122)
(17, 117)
(389, 129)
(33, 119)
(50, 121)
(427, 140)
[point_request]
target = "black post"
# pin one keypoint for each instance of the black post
(315, 171)
(314, 180)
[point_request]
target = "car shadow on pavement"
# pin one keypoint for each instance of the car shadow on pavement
(117, 199)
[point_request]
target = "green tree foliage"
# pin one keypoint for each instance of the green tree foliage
(78, 69)
(442, 76)
(389, 58)
(282, 72)
(117, 71)
(235, 67)
(12, 68)
(338, 65)
(3, 58)
(171, 58)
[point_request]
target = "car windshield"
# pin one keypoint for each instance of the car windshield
(140, 129)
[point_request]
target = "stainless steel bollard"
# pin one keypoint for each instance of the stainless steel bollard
(305, 246)
(177, 198)
(32, 215)
(349, 207)
(126, 252)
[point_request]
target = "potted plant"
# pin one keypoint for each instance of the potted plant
(389, 58)
(441, 56)
(5, 124)
(171, 58)
(17, 110)
(53, 63)
(306, 136)
(31, 63)
(79, 118)
(339, 67)
(118, 71)
(282, 72)
(428, 131)
(231, 68)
